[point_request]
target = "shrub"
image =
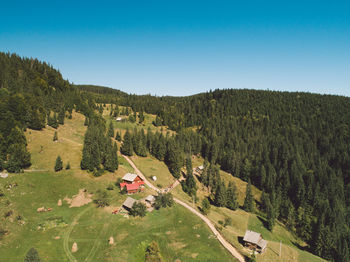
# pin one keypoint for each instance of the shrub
(138, 209)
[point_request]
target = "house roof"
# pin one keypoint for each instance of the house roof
(132, 186)
(129, 177)
(262, 243)
(122, 184)
(129, 202)
(252, 237)
(150, 198)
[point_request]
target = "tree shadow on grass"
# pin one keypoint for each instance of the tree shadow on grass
(263, 221)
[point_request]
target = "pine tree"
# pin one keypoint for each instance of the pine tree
(220, 195)
(190, 184)
(118, 136)
(32, 256)
(127, 147)
(205, 206)
(55, 136)
(141, 117)
(58, 164)
(111, 129)
(86, 122)
(174, 159)
(231, 197)
(249, 200)
(68, 166)
(270, 215)
(61, 116)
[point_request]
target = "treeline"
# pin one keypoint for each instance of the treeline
(99, 151)
(32, 94)
(295, 147)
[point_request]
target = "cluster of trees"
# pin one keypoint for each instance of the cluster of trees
(164, 200)
(138, 209)
(99, 151)
(153, 253)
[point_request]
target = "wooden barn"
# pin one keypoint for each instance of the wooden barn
(128, 203)
(254, 241)
(131, 178)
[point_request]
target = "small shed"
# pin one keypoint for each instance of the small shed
(150, 199)
(128, 203)
(199, 169)
(254, 241)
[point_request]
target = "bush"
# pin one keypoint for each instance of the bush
(68, 166)
(228, 221)
(97, 172)
(164, 200)
(153, 253)
(205, 206)
(138, 209)
(110, 187)
(32, 256)
(102, 198)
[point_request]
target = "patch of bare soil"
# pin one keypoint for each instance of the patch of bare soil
(81, 199)
(194, 255)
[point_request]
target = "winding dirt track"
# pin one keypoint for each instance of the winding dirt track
(222, 240)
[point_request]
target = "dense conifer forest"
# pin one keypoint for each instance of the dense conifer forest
(295, 147)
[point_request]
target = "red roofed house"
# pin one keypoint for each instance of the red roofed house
(133, 183)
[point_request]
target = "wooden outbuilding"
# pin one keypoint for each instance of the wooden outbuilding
(254, 241)
(128, 203)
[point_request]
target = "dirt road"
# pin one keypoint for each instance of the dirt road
(222, 240)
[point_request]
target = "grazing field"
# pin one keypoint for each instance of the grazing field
(179, 234)
(151, 166)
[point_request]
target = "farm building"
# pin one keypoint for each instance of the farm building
(131, 178)
(199, 169)
(128, 203)
(150, 199)
(133, 183)
(254, 241)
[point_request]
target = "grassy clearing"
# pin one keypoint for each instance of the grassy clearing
(151, 166)
(44, 150)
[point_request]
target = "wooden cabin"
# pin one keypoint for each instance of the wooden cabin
(128, 203)
(254, 241)
(133, 183)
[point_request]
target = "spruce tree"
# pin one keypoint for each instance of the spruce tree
(205, 206)
(61, 116)
(68, 166)
(58, 164)
(270, 215)
(86, 122)
(111, 129)
(118, 136)
(220, 195)
(55, 136)
(127, 147)
(174, 159)
(231, 197)
(32, 256)
(249, 200)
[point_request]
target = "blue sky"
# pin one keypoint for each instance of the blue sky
(186, 47)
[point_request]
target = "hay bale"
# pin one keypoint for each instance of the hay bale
(59, 203)
(40, 209)
(111, 241)
(74, 247)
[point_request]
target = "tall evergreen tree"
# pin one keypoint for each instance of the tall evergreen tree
(110, 131)
(55, 136)
(231, 197)
(32, 256)
(220, 195)
(127, 147)
(249, 200)
(58, 164)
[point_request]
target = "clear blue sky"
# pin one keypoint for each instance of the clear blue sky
(185, 47)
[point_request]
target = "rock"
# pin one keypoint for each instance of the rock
(59, 203)
(41, 209)
(111, 241)
(74, 247)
